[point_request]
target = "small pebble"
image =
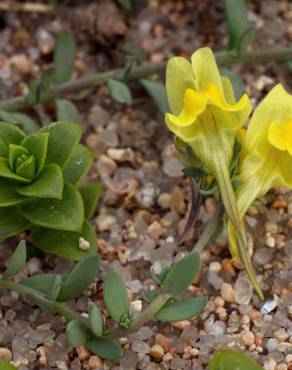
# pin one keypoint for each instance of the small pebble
(270, 363)
(215, 266)
(272, 344)
(95, 362)
(83, 353)
(163, 341)
(157, 352)
(227, 292)
(83, 244)
(105, 222)
(248, 338)
(281, 335)
(5, 354)
(181, 324)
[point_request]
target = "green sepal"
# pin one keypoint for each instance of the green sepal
(65, 243)
(65, 214)
(8, 194)
(116, 298)
(14, 152)
(95, 319)
(12, 222)
(107, 349)
(37, 145)
(226, 359)
(181, 310)
(90, 194)
(79, 278)
(49, 184)
(63, 139)
(181, 274)
(78, 165)
(9, 134)
(76, 333)
(6, 172)
(17, 260)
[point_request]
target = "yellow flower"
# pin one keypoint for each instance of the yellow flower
(206, 116)
(267, 160)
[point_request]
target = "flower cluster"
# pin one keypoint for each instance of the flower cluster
(206, 117)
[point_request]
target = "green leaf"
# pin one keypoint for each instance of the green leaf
(79, 164)
(64, 58)
(238, 24)
(90, 194)
(235, 80)
(4, 365)
(37, 145)
(50, 184)
(67, 111)
(126, 4)
(227, 359)
(8, 194)
(76, 333)
(150, 295)
(12, 222)
(181, 274)
(27, 168)
(42, 283)
(116, 297)
(65, 243)
(63, 139)
(95, 319)
(119, 91)
(14, 152)
(6, 172)
(17, 260)
(9, 135)
(182, 310)
(157, 91)
(33, 96)
(80, 278)
(64, 214)
(55, 289)
(20, 119)
(107, 349)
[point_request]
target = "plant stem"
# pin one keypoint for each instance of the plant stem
(65, 310)
(142, 318)
(209, 230)
(223, 57)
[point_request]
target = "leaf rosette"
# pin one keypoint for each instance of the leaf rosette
(40, 188)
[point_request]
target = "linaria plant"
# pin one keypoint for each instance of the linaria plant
(206, 118)
(41, 188)
(51, 291)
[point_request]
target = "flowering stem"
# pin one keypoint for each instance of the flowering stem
(225, 57)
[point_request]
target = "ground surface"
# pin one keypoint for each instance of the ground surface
(146, 198)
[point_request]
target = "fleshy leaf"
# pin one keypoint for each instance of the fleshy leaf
(76, 333)
(107, 349)
(4, 365)
(157, 91)
(64, 214)
(116, 297)
(90, 194)
(63, 139)
(50, 184)
(79, 278)
(14, 152)
(42, 283)
(119, 91)
(64, 58)
(9, 134)
(20, 119)
(182, 310)
(17, 260)
(6, 172)
(55, 289)
(67, 111)
(27, 168)
(227, 359)
(37, 145)
(65, 243)
(95, 319)
(8, 194)
(12, 222)
(181, 274)
(78, 165)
